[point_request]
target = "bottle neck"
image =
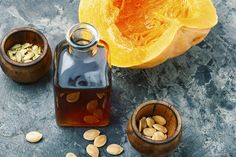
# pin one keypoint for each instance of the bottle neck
(82, 37)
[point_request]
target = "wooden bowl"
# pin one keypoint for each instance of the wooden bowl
(25, 72)
(149, 147)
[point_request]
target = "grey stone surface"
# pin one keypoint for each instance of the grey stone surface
(201, 84)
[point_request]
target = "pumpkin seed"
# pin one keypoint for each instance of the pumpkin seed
(100, 140)
(26, 45)
(160, 128)
(92, 105)
(27, 61)
(158, 136)
(36, 56)
(16, 46)
(100, 95)
(33, 136)
(150, 122)
(114, 149)
(91, 119)
(98, 113)
(92, 150)
(23, 52)
(28, 56)
(91, 134)
(18, 57)
(149, 131)
(70, 155)
(159, 120)
(72, 97)
(142, 124)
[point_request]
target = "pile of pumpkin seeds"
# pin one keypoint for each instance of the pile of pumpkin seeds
(99, 141)
(153, 127)
(24, 53)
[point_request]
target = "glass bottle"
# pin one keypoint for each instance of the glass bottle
(82, 78)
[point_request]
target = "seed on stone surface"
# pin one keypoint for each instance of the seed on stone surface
(159, 120)
(149, 131)
(92, 105)
(72, 97)
(100, 95)
(160, 128)
(114, 149)
(142, 124)
(92, 150)
(150, 122)
(98, 113)
(70, 155)
(33, 136)
(91, 134)
(91, 119)
(158, 136)
(100, 140)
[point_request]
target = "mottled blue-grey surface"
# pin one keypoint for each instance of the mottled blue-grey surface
(201, 84)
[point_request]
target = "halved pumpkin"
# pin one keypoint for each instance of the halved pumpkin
(145, 33)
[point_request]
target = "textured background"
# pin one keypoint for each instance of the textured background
(200, 83)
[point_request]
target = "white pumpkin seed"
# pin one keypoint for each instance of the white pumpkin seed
(18, 57)
(149, 131)
(26, 45)
(36, 56)
(92, 150)
(91, 134)
(28, 56)
(142, 124)
(160, 128)
(72, 97)
(100, 140)
(23, 52)
(159, 120)
(158, 136)
(33, 136)
(70, 155)
(92, 105)
(16, 46)
(27, 61)
(150, 122)
(114, 149)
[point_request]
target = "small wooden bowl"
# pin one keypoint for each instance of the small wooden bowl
(150, 147)
(25, 72)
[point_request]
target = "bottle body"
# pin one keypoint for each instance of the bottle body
(82, 85)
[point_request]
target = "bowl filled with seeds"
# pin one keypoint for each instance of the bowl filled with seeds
(25, 55)
(155, 128)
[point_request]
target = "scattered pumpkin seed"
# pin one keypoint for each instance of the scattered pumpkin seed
(114, 149)
(70, 155)
(149, 131)
(92, 150)
(159, 120)
(150, 122)
(158, 136)
(91, 134)
(33, 136)
(100, 140)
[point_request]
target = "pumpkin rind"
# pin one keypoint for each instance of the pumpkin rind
(178, 35)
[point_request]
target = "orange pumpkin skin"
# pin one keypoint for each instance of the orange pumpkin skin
(175, 32)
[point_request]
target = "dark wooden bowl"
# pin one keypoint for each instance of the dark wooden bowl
(150, 147)
(25, 72)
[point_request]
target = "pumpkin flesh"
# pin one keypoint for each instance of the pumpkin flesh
(145, 33)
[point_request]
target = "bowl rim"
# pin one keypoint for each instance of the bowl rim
(23, 29)
(164, 103)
